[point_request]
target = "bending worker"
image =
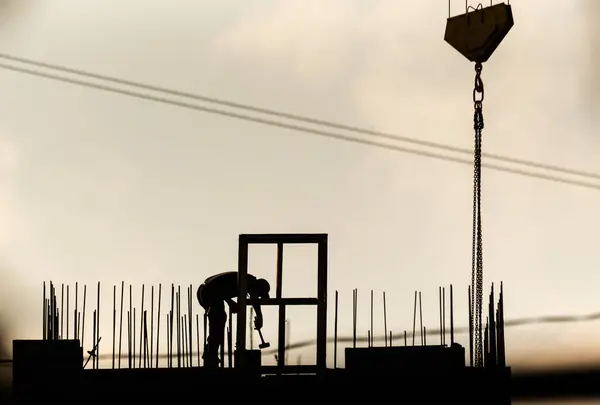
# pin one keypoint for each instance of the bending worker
(212, 296)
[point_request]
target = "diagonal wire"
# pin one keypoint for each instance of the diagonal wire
(552, 319)
(296, 117)
(299, 128)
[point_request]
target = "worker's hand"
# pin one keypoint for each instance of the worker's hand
(258, 322)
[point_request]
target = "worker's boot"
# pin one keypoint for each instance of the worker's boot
(211, 359)
(212, 362)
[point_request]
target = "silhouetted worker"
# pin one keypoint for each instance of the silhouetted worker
(213, 294)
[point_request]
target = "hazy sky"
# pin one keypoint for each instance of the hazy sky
(97, 186)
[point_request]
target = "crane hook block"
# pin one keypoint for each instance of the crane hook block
(478, 33)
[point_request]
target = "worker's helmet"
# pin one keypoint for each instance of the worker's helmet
(262, 288)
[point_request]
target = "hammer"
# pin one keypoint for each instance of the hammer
(264, 344)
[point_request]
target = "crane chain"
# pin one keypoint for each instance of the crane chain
(477, 251)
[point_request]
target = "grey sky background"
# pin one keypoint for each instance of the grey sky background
(96, 186)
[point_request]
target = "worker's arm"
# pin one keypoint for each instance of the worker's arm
(258, 319)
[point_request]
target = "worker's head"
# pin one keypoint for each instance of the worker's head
(262, 288)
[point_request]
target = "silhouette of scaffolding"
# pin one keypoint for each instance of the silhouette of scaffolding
(320, 302)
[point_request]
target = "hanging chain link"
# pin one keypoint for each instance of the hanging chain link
(477, 251)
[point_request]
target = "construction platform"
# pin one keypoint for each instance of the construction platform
(53, 369)
(59, 366)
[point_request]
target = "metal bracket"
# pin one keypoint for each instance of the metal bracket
(476, 34)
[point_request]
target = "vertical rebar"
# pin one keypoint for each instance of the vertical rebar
(184, 356)
(451, 316)
(421, 319)
(121, 321)
(414, 319)
(354, 315)
(145, 338)
(385, 333)
(133, 351)
(50, 312)
(178, 304)
(97, 341)
(441, 312)
(371, 330)
(130, 320)
(68, 315)
(168, 340)
(114, 329)
(151, 351)
(198, 337)
(171, 325)
(190, 325)
(44, 315)
(83, 317)
(129, 339)
(62, 305)
(158, 324)
(76, 324)
(142, 312)
(335, 331)
(94, 339)
(444, 315)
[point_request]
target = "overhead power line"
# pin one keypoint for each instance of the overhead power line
(296, 117)
(279, 124)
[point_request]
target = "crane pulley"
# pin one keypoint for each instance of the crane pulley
(476, 35)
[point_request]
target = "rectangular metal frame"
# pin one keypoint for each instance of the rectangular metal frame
(321, 301)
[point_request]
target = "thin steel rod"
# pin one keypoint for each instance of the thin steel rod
(421, 319)
(94, 355)
(198, 337)
(129, 359)
(190, 325)
(76, 324)
(385, 331)
(158, 324)
(444, 314)
(130, 320)
(151, 326)
(83, 317)
(44, 315)
(171, 325)
(62, 305)
(441, 311)
(68, 315)
(355, 316)
(121, 321)
(114, 329)
(168, 340)
(371, 330)
(414, 319)
(141, 326)
(335, 332)
(451, 316)
(97, 341)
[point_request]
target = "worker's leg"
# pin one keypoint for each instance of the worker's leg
(217, 317)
